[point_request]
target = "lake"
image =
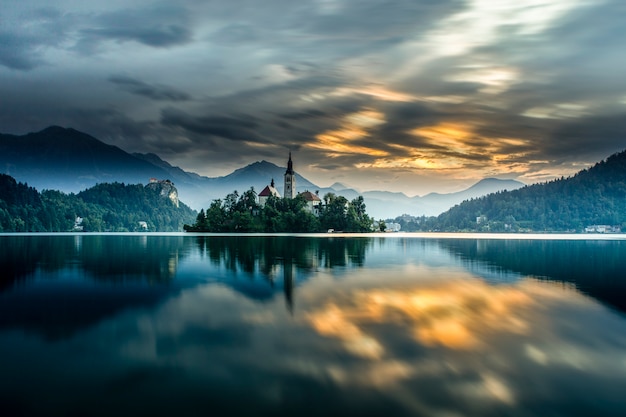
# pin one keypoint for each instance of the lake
(368, 325)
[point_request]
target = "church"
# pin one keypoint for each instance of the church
(313, 201)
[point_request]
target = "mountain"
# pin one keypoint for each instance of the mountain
(434, 204)
(338, 186)
(386, 204)
(70, 161)
(595, 196)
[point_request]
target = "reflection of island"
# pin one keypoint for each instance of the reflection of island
(269, 261)
(595, 267)
(57, 285)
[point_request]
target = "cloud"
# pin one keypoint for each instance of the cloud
(240, 128)
(22, 45)
(154, 92)
(15, 54)
(530, 87)
(157, 26)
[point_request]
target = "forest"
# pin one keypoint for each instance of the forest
(106, 207)
(242, 213)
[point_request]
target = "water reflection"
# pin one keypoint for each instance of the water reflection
(197, 325)
(270, 263)
(111, 258)
(77, 281)
(262, 267)
(59, 285)
(594, 267)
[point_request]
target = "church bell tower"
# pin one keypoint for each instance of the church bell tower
(290, 180)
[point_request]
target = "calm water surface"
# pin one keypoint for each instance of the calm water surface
(202, 325)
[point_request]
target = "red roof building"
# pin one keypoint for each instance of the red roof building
(268, 191)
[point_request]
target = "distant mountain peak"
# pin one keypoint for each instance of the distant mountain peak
(54, 128)
(497, 182)
(341, 186)
(255, 168)
(262, 163)
(59, 130)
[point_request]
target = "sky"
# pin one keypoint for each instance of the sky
(399, 95)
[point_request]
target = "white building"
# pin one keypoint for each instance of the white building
(313, 202)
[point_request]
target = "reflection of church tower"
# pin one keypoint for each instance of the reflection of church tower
(288, 268)
(290, 180)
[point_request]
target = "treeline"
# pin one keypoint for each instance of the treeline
(107, 207)
(242, 213)
(595, 196)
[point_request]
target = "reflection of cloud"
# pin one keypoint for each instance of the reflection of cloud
(333, 322)
(456, 315)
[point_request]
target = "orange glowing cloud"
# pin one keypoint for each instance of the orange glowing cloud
(353, 127)
(449, 147)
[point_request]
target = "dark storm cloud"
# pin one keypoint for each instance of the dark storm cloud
(305, 114)
(15, 52)
(154, 92)
(240, 128)
(157, 26)
(599, 136)
(22, 46)
(391, 19)
(325, 29)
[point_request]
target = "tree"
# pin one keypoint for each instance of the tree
(333, 213)
(358, 220)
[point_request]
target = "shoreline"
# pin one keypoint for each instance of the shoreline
(391, 235)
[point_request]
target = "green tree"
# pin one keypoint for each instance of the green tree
(333, 212)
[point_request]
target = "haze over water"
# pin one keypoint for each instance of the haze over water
(294, 325)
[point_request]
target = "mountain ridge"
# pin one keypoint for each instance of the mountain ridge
(69, 160)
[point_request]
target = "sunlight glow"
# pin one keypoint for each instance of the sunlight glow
(375, 91)
(496, 79)
(557, 111)
(353, 127)
(448, 147)
(448, 135)
(480, 24)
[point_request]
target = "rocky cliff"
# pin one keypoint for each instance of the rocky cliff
(166, 189)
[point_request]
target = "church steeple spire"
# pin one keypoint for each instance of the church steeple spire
(290, 180)
(289, 165)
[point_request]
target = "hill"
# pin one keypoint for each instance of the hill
(595, 196)
(104, 207)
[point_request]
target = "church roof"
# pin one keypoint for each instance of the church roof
(309, 196)
(268, 191)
